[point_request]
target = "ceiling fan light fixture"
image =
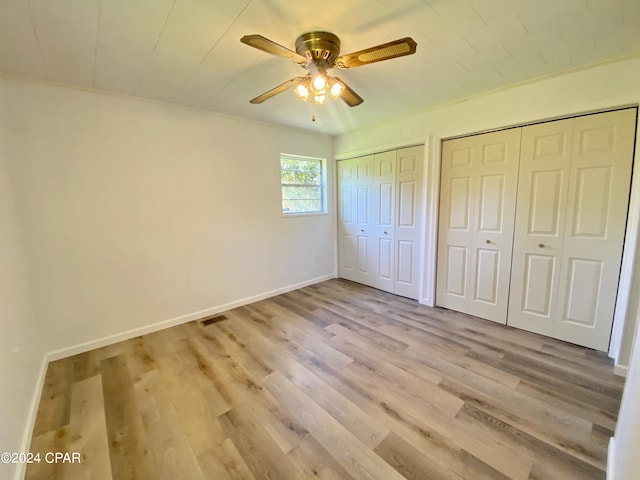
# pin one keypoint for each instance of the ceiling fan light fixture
(302, 91)
(336, 88)
(319, 98)
(319, 83)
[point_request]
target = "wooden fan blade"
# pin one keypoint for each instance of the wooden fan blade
(274, 91)
(386, 51)
(269, 46)
(348, 96)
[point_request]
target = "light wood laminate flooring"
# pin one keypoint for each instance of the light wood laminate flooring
(332, 381)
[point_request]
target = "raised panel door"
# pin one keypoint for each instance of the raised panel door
(573, 195)
(354, 232)
(475, 238)
(407, 229)
(597, 204)
(545, 162)
(382, 232)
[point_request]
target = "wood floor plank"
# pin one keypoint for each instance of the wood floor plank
(198, 409)
(128, 451)
(565, 465)
(553, 382)
(312, 461)
(573, 405)
(256, 447)
(87, 433)
(406, 385)
(368, 429)
(353, 455)
(235, 466)
(410, 462)
(246, 389)
(366, 352)
(331, 381)
(572, 433)
(170, 448)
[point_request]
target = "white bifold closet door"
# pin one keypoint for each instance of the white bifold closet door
(354, 218)
(532, 223)
(475, 236)
(573, 195)
(379, 220)
(383, 205)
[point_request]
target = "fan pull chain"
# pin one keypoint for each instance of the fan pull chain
(313, 115)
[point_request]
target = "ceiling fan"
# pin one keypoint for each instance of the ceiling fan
(318, 52)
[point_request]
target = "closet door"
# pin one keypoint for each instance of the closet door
(380, 214)
(354, 244)
(383, 207)
(407, 232)
(545, 164)
(568, 243)
(475, 238)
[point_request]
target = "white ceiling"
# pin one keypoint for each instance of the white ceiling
(189, 51)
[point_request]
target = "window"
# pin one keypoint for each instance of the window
(303, 184)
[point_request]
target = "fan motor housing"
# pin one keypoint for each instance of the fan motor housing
(321, 48)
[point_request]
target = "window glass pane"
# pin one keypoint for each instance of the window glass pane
(298, 177)
(301, 206)
(301, 193)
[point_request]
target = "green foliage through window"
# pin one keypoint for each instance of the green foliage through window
(302, 184)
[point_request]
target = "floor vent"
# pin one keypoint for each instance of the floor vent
(214, 319)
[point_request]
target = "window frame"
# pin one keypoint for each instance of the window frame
(322, 186)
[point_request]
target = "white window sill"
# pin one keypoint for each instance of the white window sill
(305, 214)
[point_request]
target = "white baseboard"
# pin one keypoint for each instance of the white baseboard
(611, 458)
(172, 322)
(620, 370)
(21, 468)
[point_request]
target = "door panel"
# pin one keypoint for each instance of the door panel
(598, 198)
(362, 202)
(347, 255)
(354, 255)
(385, 259)
(407, 229)
(456, 273)
(545, 162)
(584, 277)
(380, 215)
(491, 207)
(544, 202)
(538, 279)
(591, 213)
(407, 204)
(362, 245)
(475, 238)
(385, 204)
(406, 262)
(346, 205)
(486, 283)
(571, 216)
(383, 201)
(458, 198)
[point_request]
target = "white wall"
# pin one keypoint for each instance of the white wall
(605, 86)
(624, 461)
(21, 351)
(137, 212)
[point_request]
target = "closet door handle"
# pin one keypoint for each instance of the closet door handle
(487, 241)
(362, 230)
(541, 245)
(386, 233)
